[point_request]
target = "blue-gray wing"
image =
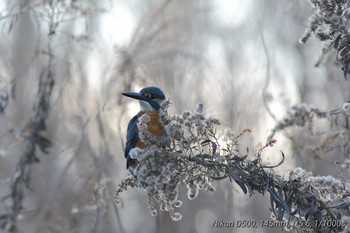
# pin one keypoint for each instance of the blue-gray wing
(131, 135)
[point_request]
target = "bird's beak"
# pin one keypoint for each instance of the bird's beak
(134, 95)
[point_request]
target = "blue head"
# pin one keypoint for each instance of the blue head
(150, 98)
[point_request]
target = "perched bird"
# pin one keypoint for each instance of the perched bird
(150, 99)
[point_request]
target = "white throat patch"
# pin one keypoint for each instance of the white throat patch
(145, 106)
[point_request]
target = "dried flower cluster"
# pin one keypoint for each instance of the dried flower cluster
(328, 208)
(299, 115)
(304, 115)
(191, 155)
(167, 163)
(331, 23)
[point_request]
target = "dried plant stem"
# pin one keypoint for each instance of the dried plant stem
(34, 136)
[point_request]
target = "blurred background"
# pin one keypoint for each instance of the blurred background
(242, 59)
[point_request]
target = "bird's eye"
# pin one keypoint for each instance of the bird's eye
(150, 96)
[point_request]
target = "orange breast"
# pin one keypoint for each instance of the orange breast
(153, 126)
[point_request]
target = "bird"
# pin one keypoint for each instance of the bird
(150, 99)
